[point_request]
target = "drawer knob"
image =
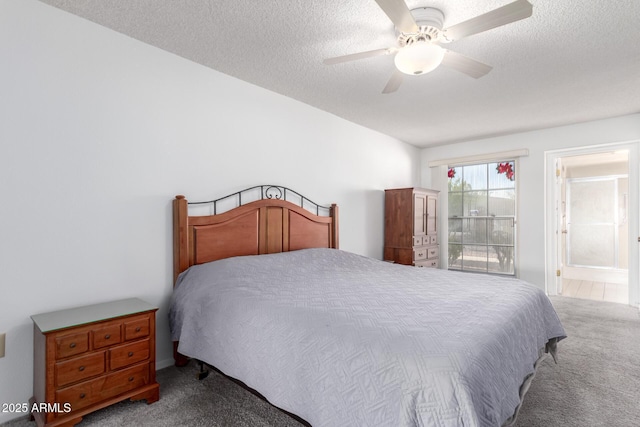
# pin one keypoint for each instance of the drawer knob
(82, 395)
(72, 345)
(130, 379)
(81, 368)
(138, 329)
(130, 353)
(106, 337)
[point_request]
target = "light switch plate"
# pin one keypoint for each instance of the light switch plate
(2, 339)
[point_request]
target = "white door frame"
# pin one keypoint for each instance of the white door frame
(551, 217)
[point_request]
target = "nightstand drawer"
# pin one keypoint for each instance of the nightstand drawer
(79, 368)
(69, 345)
(92, 391)
(136, 328)
(106, 336)
(129, 354)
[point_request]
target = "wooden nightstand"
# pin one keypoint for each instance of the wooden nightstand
(90, 357)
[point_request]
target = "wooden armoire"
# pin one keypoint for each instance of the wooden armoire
(411, 227)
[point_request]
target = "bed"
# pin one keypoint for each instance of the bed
(264, 294)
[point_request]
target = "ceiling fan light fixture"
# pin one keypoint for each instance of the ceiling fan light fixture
(419, 58)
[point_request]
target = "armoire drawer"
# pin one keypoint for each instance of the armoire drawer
(430, 263)
(432, 252)
(420, 254)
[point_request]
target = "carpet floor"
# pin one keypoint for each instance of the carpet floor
(597, 379)
(595, 383)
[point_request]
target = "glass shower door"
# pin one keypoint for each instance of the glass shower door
(592, 222)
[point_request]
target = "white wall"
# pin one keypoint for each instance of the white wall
(98, 132)
(530, 176)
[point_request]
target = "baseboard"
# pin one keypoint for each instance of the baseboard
(161, 364)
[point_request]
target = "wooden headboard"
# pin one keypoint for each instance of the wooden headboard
(267, 225)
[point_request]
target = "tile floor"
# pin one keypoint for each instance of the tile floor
(599, 291)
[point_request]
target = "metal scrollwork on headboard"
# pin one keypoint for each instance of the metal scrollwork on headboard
(274, 192)
(261, 192)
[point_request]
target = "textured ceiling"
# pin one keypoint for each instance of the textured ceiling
(572, 61)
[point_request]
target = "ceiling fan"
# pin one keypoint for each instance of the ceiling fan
(421, 33)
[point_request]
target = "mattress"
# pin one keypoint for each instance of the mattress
(341, 339)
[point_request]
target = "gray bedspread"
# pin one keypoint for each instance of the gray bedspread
(345, 340)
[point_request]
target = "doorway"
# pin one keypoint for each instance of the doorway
(591, 216)
(594, 240)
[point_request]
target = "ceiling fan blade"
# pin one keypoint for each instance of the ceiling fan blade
(465, 65)
(394, 82)
(512, 12)
(399, 14)
(360, 55)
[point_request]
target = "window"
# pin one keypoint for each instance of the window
(482, 215)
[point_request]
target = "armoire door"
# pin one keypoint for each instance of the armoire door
(432, 218)
(419, 214)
